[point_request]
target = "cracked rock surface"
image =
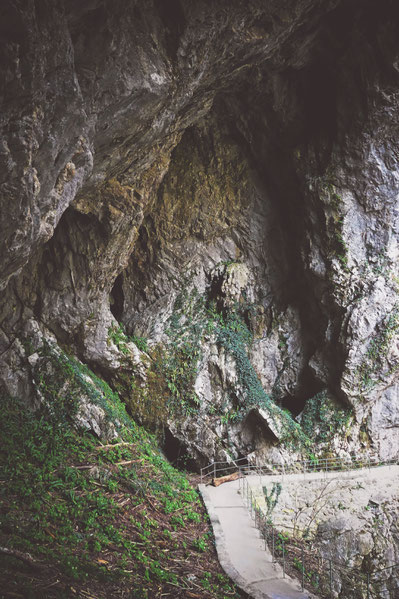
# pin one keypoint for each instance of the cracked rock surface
(220, 179)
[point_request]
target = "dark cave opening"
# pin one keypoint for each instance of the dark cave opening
(174, 23)
(308, 387)
(117, 298)
(215, 293)
(293, 403)
(216, 296)
(176, 452)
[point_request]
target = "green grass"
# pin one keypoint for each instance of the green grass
(125, 524)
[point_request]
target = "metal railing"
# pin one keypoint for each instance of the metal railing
(223, 467)
(298, 557)
(332, 464)
(318, 574)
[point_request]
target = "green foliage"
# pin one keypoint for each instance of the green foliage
(140, 342)
(272, 497)
(323, 419)
(173, 370)
(63, 381)
(62, 510)
(180, 370)
(367, 372)
(201, 544)
(105, 522)
(342, 248)
(176, 367)
(281, 539)
(118, 336)
(297, 563)
(234, 336)
(183, 353)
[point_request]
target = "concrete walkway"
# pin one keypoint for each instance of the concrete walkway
(240, 549)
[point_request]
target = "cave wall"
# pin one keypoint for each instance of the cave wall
(168, 164)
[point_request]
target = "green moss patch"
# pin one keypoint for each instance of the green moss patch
(322, 420)
(370, 370)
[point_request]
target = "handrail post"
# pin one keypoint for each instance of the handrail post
(368, 585)
(283, 558)
(303, 568)
(214, 470)
(331, 579)
(273, 543)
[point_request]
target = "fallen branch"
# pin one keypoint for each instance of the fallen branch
(113, 445)
(25, 557)
(126, 463)
(90, 466)
(225, 479)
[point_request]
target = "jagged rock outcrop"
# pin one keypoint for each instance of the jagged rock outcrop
(223, 181)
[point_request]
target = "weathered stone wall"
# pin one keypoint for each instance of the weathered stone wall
(349, 518)
(222, 180)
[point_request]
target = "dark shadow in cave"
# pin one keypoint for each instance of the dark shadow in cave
(176, 453)
(310, 385)
(117, 298)
(293, 403)
(174, 22)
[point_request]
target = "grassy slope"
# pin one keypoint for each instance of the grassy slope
(108, 529)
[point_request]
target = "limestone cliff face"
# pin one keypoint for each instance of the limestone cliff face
(222, 180)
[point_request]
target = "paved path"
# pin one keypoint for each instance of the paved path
(240, 549)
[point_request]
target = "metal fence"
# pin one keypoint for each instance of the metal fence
(332, 464)
(224, 467)
(298, 557)
(318, 574)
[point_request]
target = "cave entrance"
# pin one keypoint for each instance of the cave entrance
(176, 453)
(293, 404)
(309, 386)
(117, 298)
